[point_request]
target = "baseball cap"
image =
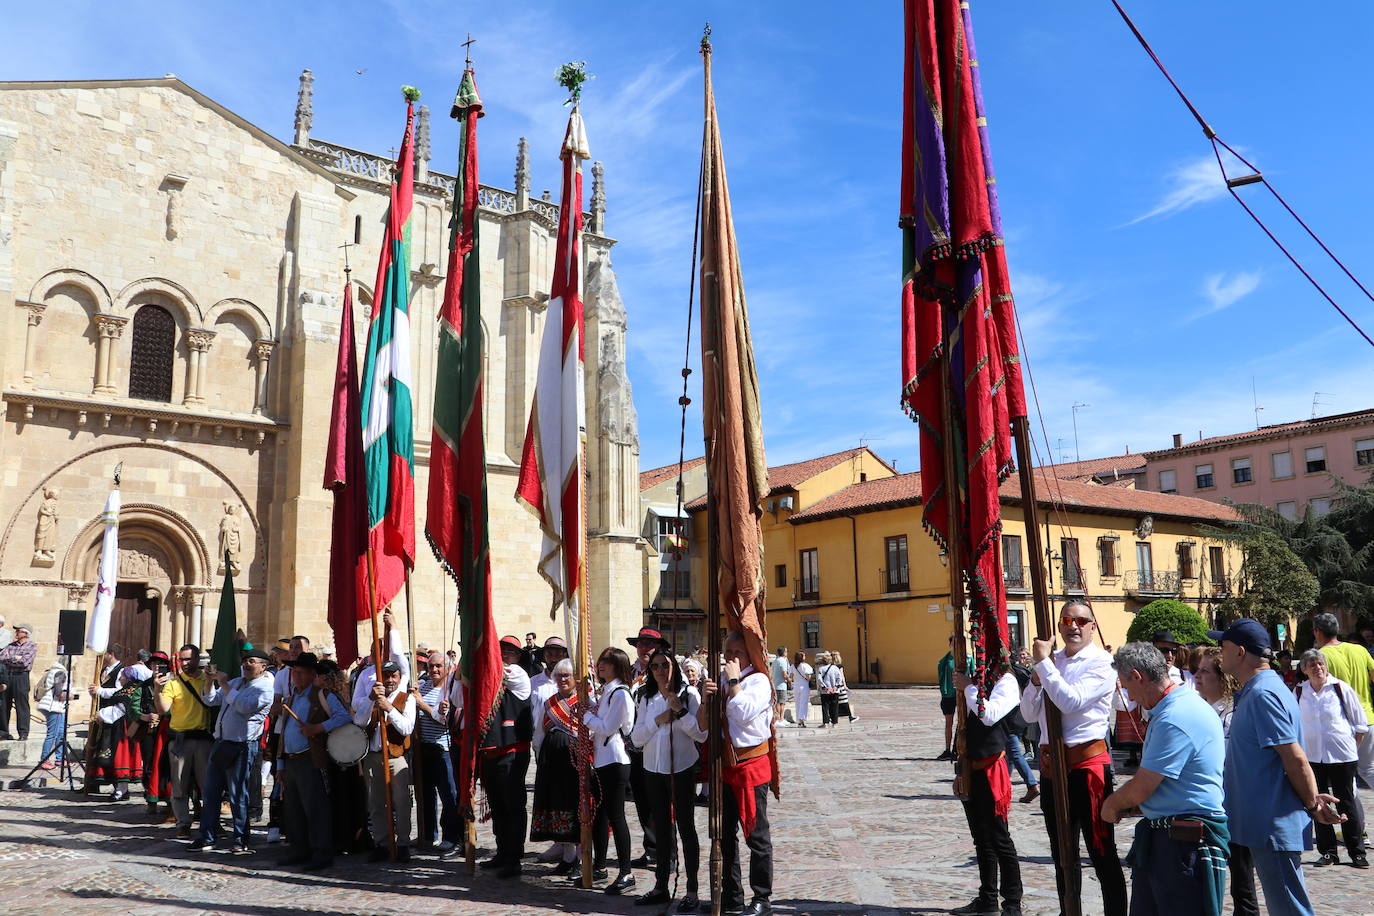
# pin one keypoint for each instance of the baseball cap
(1248, 634)
(389, 666)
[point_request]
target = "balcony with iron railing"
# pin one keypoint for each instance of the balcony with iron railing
(806, 590)
(1153, 582)
(1016, 578)
(1219, 586)
(894, 579)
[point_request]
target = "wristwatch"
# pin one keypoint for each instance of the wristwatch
(734, 681)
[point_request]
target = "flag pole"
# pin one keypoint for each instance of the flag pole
(1057, 774)
(377, 670)
(954, 558)
(416, 751)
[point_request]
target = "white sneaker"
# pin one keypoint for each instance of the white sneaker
(274, 834)
(553, 854)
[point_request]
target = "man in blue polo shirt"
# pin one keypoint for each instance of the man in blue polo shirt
(1271, 794)
(1178, 859)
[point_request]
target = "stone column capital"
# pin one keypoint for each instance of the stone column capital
(111, 326)
(199, 339)
(35, 310)
(262, 349)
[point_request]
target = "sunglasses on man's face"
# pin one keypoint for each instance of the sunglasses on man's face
(1071, 621)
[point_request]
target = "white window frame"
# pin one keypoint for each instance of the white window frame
(1199, 473)
(1307, 459)
(1172, 485)
(1274, 467)
(1242, 464)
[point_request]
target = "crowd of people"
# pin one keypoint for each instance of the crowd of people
(1239, 759)
(312, 748)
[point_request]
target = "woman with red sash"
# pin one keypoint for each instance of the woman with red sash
(555, 814)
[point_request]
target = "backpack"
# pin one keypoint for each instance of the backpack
(45, 687)
(1340, 698)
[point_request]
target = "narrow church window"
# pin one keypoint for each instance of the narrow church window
(150, 365)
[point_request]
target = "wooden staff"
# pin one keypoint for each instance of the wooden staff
(955, 560)
(1066, 832)
(377, 671)
(417, 753)
(715, 814)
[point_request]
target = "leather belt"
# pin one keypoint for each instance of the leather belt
(1079, 752)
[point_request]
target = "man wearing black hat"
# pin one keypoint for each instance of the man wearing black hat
(1173, 653)
(243, 704)
(388, 715)
(303, 766)
(645, 642)
(1271, 793)
(504, 758)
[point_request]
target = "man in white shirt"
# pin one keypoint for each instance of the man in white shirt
(747, 772)
(987, 796)
(1081, 683)
(388, 715)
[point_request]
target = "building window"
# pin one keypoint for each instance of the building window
(810, 582)
(1282, 464)
(1288, 510)
(1168, 481)
(1216, 565)
(150, 362)
(1320, 506)
(1013, 572)
(1240, 470)
(674, 584)
(1315, 458)
(670, 536)
(1364, 452)
(1144, 561)
(1073, 570)
(1203, 475)
(780, 575)
(811, 633)
(1108, 560)
(898, 579)
(1187, 560)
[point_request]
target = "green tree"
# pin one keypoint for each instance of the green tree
(1276, 583)
(1182, 619)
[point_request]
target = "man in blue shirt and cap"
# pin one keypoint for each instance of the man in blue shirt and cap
(1271, 794)
(311, 714)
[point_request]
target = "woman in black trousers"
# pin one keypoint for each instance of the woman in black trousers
(666, 727)
(609, 722)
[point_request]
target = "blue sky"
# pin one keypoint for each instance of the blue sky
(1143, 289)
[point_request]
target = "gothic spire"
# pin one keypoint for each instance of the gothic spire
(522, 176)
(422, 144)
(598, 223)
(305, 108)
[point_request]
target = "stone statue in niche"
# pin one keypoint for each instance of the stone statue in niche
(230, 537)
(45, 532)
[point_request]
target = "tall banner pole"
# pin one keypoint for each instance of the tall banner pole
(377, 670)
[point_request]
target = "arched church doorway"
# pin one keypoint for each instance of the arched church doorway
(134, 619)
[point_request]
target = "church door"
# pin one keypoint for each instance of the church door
(133, 619)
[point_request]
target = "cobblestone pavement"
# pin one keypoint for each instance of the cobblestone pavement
(865, 826)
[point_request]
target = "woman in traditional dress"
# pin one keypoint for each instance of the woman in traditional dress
(801, 686)
(119, 759)
(666, 728)
(555, 810)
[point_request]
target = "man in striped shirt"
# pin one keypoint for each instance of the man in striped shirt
(439, 807)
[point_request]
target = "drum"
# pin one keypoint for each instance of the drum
(347, 744)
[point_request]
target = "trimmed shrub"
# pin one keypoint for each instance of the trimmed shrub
(1167, 614)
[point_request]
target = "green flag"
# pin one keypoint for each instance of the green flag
(227, 649)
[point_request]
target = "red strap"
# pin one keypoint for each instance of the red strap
(742, 778)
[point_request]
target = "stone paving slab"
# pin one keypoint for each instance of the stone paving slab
(866, 827)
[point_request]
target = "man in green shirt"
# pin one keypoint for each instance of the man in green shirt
(1352, 663)
(944, 672)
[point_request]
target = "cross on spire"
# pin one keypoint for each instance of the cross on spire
(467, 50)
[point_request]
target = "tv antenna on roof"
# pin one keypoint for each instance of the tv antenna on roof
(1254, 396)
(1078, 405)
(1320, 398)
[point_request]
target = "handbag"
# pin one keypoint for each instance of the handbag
(226, 753)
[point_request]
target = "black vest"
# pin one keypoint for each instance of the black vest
(984, 741)
(512, 724)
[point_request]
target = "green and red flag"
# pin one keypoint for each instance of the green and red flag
(388, 435)
(456, 521)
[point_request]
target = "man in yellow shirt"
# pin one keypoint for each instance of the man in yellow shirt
(179, 696)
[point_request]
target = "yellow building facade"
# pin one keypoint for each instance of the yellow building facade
(850, 568)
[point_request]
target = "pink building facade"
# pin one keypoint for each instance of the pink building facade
(1288, 467)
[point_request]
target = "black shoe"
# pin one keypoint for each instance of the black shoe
(509, 871)
(623, 882)
(758, 908)
(563, 869)
(378, 854)
(656, 896)
(493, 862)
(119, 796)
(600, 874)
(319, 864)
(644, 861)
(978, 907)
(732, 909)
(291, 861)
(946, 755)
(450, 854)
(1011, 909)
(1359, 862)
(690, 903)
(1328, 858)
(199, 843)
(402, 853)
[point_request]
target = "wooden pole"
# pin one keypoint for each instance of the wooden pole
(715, 813)
(949, 433)
(377, 670)
(1057, 770)
(417, 754)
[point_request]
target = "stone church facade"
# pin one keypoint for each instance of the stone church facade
(170, 291)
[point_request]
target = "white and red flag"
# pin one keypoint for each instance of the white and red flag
(551, 467)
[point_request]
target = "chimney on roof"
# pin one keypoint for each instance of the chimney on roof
(1178, 440)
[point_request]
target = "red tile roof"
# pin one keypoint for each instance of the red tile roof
(655, 476)
(905, 490)
(1353, 418)
(1093, 467)
(787, 476)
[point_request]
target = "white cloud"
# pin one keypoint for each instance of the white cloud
(1189, 184)
(1224, 290)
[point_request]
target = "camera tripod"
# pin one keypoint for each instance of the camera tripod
(64, 769)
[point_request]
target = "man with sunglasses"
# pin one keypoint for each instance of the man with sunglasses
(1081, 683)
(179, 697)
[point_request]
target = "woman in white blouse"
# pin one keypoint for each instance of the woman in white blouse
(666, 728)
(1333, 724)
(610, 721)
